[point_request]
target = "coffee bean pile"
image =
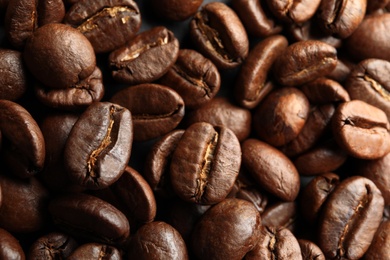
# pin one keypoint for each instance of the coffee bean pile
(176, 129)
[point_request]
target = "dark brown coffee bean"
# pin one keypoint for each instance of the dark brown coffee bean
(20, 21)
(13, 77)
(293, 11)
(59, 56)
(315, 127)
(375, 5)
(157, 240)
(24, 206)
(362, 130)
(280, 215)
(23, 145)
(158, 162)
(324, 91)
(235, 222)
(315, 194)
(256, 18)
(380, 246)
(52, 246)
(133, 190)
(342, 71)
(251, 84)
(107, 24)
(205, 163)
(218, 33)
(194, 77)
(99, 146)
(350, 218)
(50, 11)
(369, 81)
(325, 157)
(310, 251)
(281, 116)
(304, 61)
(146, 57)
(220, 111)
(10, 247)
(95, 251)
(370, 38)
(342, 17)
(271, 169)
(75, 97)
(88, 217)
(275, 244)
(156, 110)
(175, 10)
(378, 172)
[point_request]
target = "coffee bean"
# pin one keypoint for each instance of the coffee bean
(99, 146)
(152, 237)
(52, 246)
(86, 216)
(310, 251)
(362, 130)
(380, 248)
(350, 217)
(10, 247)
(146, 57)
(175, 10)
(205, 163)
(293, 11)
(234, 221)
(218, 33)
(304, 61)
(156, 109)
(280, 215)
(251, 85)
(271, 169)
(107, 24)
(194, 77)
(96, 251)
(323, 91)
(376, 5)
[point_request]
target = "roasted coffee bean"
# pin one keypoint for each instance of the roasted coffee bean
(96, 251)
(310, 251)
(146, 57)
(380, 246)
(370, 38)
(218, 33)
(52, 246)
(175, 10)
(281, 116)
(251, 84)
(369, 81)
(315, 127)
(158, 162)
(194, 77)
(89, 217)
(205, 163)
(156, 110)
(220, 111)
(10, 247)
(342, 71)
(315, 194)
(157, 240)
(378, 172)
(362, 130)
(23, 145)
(235, 222)
(280, 215)
(293, 11)
(50, 11)
(325, 157)
(59, 56)
(341, 18)
(24, 206)
(324, 91)
(275, 243)
(133, 190)
(75, 97)
(107, 24)
(375, 5)
(304, 61)
(13, 75)
(350, 217)
(271, 169)
(256, 18)
(99, 146)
